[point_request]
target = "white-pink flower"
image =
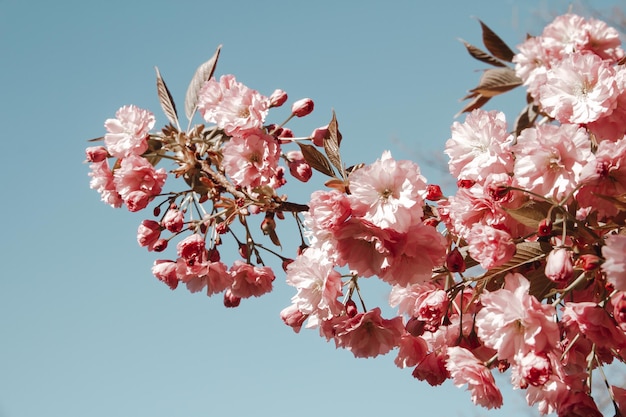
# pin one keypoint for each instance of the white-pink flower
(513, 321)
(549, 158)
(250, 280)
(251, 160)
(479, 146)
(138, 182)
(232, 106)
(102, 181)
(318, 284)
(127, 134)
(580, 88)
(464, 369)
(490, 246)
(614, 266)
(388, 193)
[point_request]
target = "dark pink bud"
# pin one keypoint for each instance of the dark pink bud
(160, 245)
(545, 228)
(465, 183)
(588, 262)
(302, 107)
(455, 261)
(319, 135)
(230, 300)
(96, 153)
(278, 98)
(351, 309)
(433, 192)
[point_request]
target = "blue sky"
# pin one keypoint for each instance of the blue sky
(85, 330)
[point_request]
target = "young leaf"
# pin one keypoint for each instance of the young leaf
(482, 56)
(316, 159)
(166, 100)
(331, 145)
(477, 103)
(495, 45)
(531, 213)
(497, 81)
(202, 75)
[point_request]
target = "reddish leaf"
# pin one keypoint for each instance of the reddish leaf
(497, 81)
(477, 103)
(482, 56)
(316, 159)
(331, 145)
(166, 100)
(495, 45)
(202, 75)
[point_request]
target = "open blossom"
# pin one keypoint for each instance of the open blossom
(251, 160)
(102, 181)
(464, 369)
(165, 271)
(479, 146)
(232, 106)
(368, 335)
(581, 88)
(127, 134)
(318, 284)
(511, 320)
(388, 193)
(412, 350)
(148, 234)
(614, 265)
(595, 323)
(250, 280)
(138, 182)
(490, 246)
(549, 159)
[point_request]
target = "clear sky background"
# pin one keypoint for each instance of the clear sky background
(85, 329)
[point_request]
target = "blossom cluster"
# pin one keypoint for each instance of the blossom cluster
(522, 270)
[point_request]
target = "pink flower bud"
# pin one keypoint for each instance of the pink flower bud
(351, 309)
(96, 153)
(173, 220)
(559, 265)
(545, 228)
(278, 98)
(302, 107)
(268, 225)
(455, 261)
(433, 192)
(160, 245)
(465, 183)
(231, 301)
(319, 135)
(293, 317)
(298, 166)
(588, 262)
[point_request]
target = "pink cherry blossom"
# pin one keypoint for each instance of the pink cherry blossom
(531, 368)
(578, 403)
(165, 271)
(412, 350)
(173, 220)
(302, 107)
(329, 209)
(549, 159)
(211, 275)
(604, 175)
(232, 106)
(490, 246)
(479, 146)
(368, 335)
(531, 64)
(432, 368)
(250, 280)
(388, 193)
(318, 284)
(614, 265)
(619, 309)
(138, 182)
(102, 180)
(511, 320)
(251, 160)
(595, 323)
(127, 134)
(464, 369)
(148, 234)
(580, 88)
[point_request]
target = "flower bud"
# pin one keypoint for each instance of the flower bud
(588, 262)
(465, 183)
(96, 153)
(319, 135)
(302, 107)
(230, 300)
(278, 98)
(173, 220)
(298, 166)
(148, 233)
(455, 261)
(293, 317)
(559, 265)
(433, 192)
(351, 309)
(160, 245)
(268, 225)
(545, 228)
